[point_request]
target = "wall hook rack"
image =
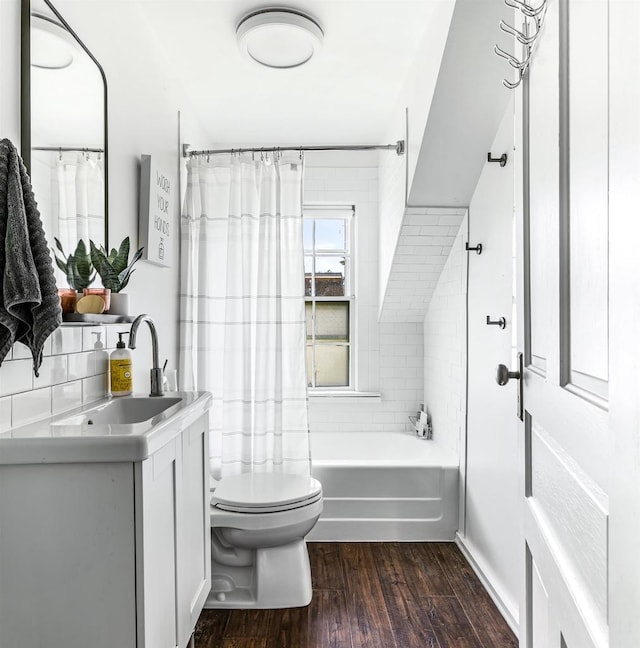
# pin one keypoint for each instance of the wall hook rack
(477, 248)
(501, 322)
(502, 159)
(533, 21)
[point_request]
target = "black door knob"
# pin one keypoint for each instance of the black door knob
(503, 375)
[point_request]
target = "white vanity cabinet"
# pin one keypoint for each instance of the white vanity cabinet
(105, 553)
(174, 573)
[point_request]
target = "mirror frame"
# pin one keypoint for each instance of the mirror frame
(25, 97)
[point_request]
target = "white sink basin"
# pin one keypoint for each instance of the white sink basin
(122, 411)
(129, 428)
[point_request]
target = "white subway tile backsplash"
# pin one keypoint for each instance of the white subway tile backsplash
(81, 365)
(53, 370)
(16, 376)
(94, 337)
(30, 406)
(20, 352)
(67, 339)
(66, 397)
(25, 398)
(101, 362)
(94, 388)
(5, 413)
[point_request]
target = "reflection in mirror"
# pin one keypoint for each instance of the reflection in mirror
(68, 132)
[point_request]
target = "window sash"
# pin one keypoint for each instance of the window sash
(313, 212)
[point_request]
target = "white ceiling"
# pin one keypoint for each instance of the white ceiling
(346, 94)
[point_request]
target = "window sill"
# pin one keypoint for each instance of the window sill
(344, 394)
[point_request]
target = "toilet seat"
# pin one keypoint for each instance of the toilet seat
(265, 493)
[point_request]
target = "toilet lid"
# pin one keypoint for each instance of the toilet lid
(265, 492)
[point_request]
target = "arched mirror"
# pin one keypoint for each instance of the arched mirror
(64, 127)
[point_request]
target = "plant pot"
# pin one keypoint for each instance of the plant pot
(119, 304)
(68, 298)
(105, 293)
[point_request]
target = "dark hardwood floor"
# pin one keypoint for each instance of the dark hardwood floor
(372, 595)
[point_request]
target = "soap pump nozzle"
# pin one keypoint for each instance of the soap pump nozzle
(120, 344)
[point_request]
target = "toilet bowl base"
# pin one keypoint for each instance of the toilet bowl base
(279, 577)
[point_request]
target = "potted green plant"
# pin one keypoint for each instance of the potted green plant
(77, 269)
(115, 270)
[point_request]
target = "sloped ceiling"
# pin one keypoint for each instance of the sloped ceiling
(467, 107)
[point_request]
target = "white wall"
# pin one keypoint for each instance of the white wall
(143, 118)
(491, 532)
(445, 348)
(73, 370)
(10, 70)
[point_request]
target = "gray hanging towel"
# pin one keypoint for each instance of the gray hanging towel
(29, 303)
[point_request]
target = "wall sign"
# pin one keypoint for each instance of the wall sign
(156, 227)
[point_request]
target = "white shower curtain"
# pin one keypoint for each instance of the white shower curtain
(242, 310)
(79, 181)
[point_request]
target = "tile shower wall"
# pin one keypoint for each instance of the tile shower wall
(445, 347)
(401, 388)
(74, 371)
(389, 356)
(392, 206)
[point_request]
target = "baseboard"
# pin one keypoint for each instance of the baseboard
(503, 608)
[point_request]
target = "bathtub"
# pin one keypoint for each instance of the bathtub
(383, 487)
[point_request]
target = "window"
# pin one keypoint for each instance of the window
(328, 267)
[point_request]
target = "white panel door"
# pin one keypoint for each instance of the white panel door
(565, 435)
(624, 341)
(490, 531)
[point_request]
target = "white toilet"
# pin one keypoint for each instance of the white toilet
(259, 557)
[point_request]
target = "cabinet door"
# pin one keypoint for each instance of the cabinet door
(67, 556)
(157, 493)
(193, 531)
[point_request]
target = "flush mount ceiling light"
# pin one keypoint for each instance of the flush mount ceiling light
(50, 46)
(279, 38)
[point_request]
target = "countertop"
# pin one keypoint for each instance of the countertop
(70, 438)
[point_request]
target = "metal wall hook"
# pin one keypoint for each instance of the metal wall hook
(502, 159)
(512, 60)
(512, 31)
(477, 248)
(533, 18)
(501, 322)
(525, 8)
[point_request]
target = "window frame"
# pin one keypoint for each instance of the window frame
(338, 211)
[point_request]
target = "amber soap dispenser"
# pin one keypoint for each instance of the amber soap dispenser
(121, 369)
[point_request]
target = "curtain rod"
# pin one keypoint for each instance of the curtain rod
(65, 149)
(398, 147)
